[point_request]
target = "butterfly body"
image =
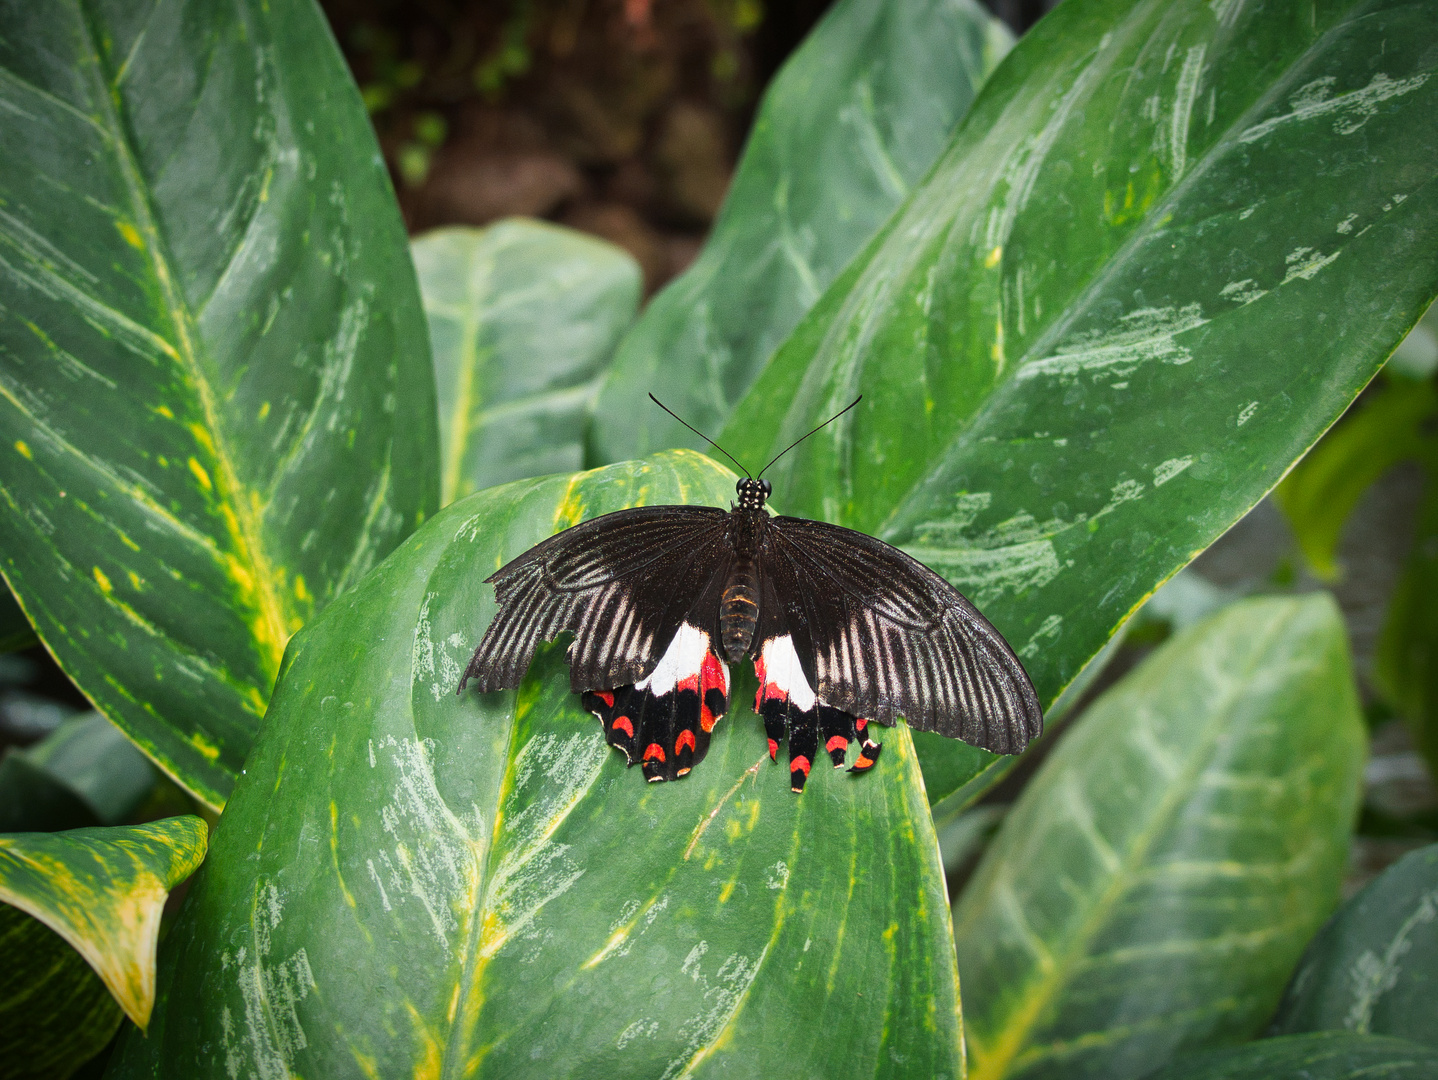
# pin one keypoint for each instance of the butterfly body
(739, 603)
(844, 631)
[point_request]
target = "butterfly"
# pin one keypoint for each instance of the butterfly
(844, 631)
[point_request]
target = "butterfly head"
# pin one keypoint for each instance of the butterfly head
(752, 493)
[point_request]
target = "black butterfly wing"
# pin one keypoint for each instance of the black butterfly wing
(881, 635)
(621, 584)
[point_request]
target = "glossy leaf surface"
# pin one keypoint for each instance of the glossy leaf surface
(846, 130)
(523, 320)
(411, 881)
(1374, 967)
(102, 890)
(1169, 244)
(1311, 1057)
(55, 1013)
(1157, 879)
(216, 408)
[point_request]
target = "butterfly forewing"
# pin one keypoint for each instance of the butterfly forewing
(881, 635)
(621, 584)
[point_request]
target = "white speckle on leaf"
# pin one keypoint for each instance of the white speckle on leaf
(1165, 471)
(1346, 225)
(1047, 631)
(1024, 162)
(1142, 336)
(1242, 292)
(551, 774)
(1373, 976)
(722, 998)
(985, 574)
(271, 992)
(1305, 262)
(1225, 11)
(690, 966)
(430, 660)
(1247, 414)
(1180, 118)
(640, 1029)
(1350, 111)
(435, 860)
(777, 876)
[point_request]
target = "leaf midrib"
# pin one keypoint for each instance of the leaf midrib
(461, 423)
(269, 632)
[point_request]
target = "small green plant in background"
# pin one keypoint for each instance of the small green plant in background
(1099, 296)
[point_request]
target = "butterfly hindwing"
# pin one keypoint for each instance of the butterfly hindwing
(881, 635)
(792, 711)
(664, 721)
(621, 584)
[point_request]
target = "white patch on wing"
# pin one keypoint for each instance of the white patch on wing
(682, 660)
(781, 667)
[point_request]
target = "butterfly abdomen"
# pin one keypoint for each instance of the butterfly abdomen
(739, 610)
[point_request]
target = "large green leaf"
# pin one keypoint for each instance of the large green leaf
(523, 320)
(1374, 967)
(847, 128)
(1330, 1056)
(1169, 244)
(407, 881)
(55, 1013)
(1154, 884)
(102, 890)
(216, 407)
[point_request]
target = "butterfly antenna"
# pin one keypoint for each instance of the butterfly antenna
(701, 434)
(826, 423)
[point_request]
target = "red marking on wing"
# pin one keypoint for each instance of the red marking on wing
(764, 685)
(690, 683)
(655, 751)
(621, 723)
(769, 692)
(836, 742)
(606, 696)
(860, 724)
(773, 750)
(711, 675)
(686, 738)
(799, 764)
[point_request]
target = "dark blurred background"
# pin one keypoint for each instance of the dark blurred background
(623, 118)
